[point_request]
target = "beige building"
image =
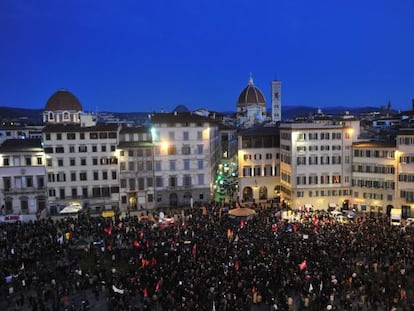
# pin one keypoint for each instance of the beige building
(259, 164)
(374, 172)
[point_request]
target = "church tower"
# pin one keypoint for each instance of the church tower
(276, 101)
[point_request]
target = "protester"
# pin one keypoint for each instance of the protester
(197, 259)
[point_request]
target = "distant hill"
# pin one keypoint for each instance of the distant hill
(26, 116)
(34, 116)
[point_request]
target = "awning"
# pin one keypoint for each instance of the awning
(70, 209)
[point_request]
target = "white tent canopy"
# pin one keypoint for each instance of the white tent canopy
(71, 209)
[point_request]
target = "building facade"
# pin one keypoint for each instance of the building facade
(187, 154)
(22, 177)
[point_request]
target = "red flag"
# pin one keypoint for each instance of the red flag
(303, 265)
(145, 292)
(194, 250)
(108, 230)
(242, 223)
(158, 286)
(136, 244)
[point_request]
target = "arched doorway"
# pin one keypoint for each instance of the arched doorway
(263, 193)
(247, 194)
(132, 201)
(173, 200)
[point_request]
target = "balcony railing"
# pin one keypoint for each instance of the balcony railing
(26, 190)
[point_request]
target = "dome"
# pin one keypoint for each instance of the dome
(63, 100)
(251, 95)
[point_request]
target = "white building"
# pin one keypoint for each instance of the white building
(81, 156)
(315, 163)
(136, 163)
(22, 177)
(187, 153)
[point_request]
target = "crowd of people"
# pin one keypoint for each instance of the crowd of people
(204, 260)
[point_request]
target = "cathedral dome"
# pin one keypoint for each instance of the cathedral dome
(63, 100)
(251, 95)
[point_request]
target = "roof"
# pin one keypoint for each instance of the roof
(375, 144)
(63, 100)
(260, 131)
(133, 129)
(21, 145)
(251, 95)
(179, 117)
(64, 128)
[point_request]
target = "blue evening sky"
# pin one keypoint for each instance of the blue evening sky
(132, 55)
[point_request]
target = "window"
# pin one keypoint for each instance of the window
(200, 178)
(172, 150)
(113, 148)
(257, 171)
(72, 176)
(150, 182)
(200, 164)
(141, 183)
(131, 166)
(199, 135)
(62, 193)
(47, 136)
(186, 150)
(186, 180)
(186, 163)
(74, 193)
(158, 166)
(85, 192)
(82, 135)
(172, 165)
(82, 176)
(113, 173)
(59, 136)
(171, 135)
(93, 135)
(83, 161)
(159, 182)
(70, 136)
(39, 161)
(59, 150)
(268, 170)
(199, 149)
(247, 171)
(247, 157)
(103, 148)
(6, 162)
(60, 162)
(185, 135)
(104, 175)
(83, 148)
(94, 161)
(172, 181)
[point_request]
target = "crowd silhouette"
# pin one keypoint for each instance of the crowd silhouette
(201, 259)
